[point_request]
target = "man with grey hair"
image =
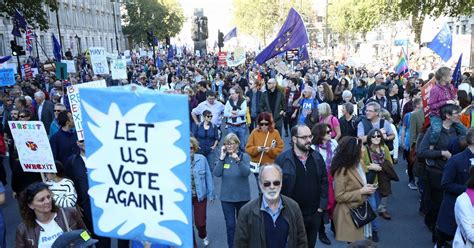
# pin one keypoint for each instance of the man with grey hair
(273, 101)
(372, 120)
(44, 110)
(271, 220)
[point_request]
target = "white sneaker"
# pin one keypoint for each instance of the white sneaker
(205, 241)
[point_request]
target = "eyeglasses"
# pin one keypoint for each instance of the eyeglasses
(22, 116)
(209, 116)
(376, 136)
(305, 137)
(275, 183)
(263, 123)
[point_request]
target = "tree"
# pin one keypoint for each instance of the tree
(164, 17)
(32, 11)
(263, 18)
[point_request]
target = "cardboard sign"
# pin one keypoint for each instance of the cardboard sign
(119, 69)
(138, 163)
(75, 103)
(32, 144)
(425, 94)
(99, 60)
(71, 67)
(7, 77)
(222, 59)
(61, 70)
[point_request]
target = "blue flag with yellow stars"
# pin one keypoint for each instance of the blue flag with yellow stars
(442, 43)
(292, 35)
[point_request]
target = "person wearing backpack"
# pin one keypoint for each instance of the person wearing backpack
(372, 120)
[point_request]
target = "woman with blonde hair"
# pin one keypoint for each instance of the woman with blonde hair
(234, 168)
(325, 116)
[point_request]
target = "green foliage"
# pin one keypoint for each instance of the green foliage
(32, 11)
(437, 8)
(263, 18)
(163, 17)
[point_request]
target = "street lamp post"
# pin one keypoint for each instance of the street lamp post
(59, 31)
(115, 28)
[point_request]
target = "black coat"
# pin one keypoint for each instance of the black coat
(47, 114)
(455, 176)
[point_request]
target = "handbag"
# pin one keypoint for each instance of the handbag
(254, 166)
(362, 214)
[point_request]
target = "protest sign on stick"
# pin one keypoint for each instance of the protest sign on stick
(119, 69)
(7, 77)
(32, 144)
(138, 163)
(75, 103)
(99, 60)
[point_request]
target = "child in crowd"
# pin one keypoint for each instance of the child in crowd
(64, 193)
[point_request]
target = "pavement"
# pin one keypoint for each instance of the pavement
(406, 229)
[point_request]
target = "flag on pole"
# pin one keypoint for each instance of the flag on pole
(442, 43)
(303, 53)
(56, 49)
(402, 68)
(170, 53)
(292, 35)
(29, 40)
(457, 76)
(19, 23)
(231, 34)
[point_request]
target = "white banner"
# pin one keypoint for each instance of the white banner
(119, 69)
(32, 144)
(71, 67)
(75, 103)
(99, 60)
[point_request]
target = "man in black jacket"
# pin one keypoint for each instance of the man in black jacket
(305, 179)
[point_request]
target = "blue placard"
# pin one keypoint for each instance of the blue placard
(137, 149)
(7, 77)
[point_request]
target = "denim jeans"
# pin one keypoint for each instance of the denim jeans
(373, 203)
(231, 211)
(437, 124)
(242, 133)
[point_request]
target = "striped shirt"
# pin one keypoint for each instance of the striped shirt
(64, 193)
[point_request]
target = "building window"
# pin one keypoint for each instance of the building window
(93, 41)
(42, 42)
(457, 29)
(2, 46)
(463, 30)
(87, 43)
(112, 45)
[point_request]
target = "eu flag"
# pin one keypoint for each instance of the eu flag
(442, 44)
(292, 35)
(303, 53)
(230, 35)
(56, 49)
(457, 76)
(18, 23)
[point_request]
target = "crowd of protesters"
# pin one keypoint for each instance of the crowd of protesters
(346, 126)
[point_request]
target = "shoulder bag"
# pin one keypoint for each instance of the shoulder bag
(254, 166)
(362, 214)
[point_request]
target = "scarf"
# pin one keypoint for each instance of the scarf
(329, 152)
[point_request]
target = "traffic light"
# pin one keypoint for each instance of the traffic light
(220, 39)
(16, 49)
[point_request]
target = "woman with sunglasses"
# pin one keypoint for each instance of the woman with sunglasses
(233, 167)
(376, 156)
(43, 222)
(264, 143)
(326, 146)
(207, 135)
(350, 189)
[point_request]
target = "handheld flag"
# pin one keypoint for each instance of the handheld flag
(457, 76)
(402, 68)
(56, 49)
(292, 35)
(29, 40)
(442, 43)
(231, 34)
(303, 53)
(18, 23)
(170, 53)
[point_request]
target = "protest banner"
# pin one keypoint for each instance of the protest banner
(425, 94)
(32, 144)
(222, 58)
(99, 60)
(146, 170)
(7, 77)
(118, 67)
(75, 103)
(9, 65)
(236, 58)
(26, 68)
(71, 67)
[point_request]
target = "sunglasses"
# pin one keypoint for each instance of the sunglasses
(263, 124)
(275, 183)
(377, 136)
(209, 116)
(57, 110)
(22, 116)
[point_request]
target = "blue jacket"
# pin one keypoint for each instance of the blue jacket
(455, 176)
(203, 178)
(205, 140)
